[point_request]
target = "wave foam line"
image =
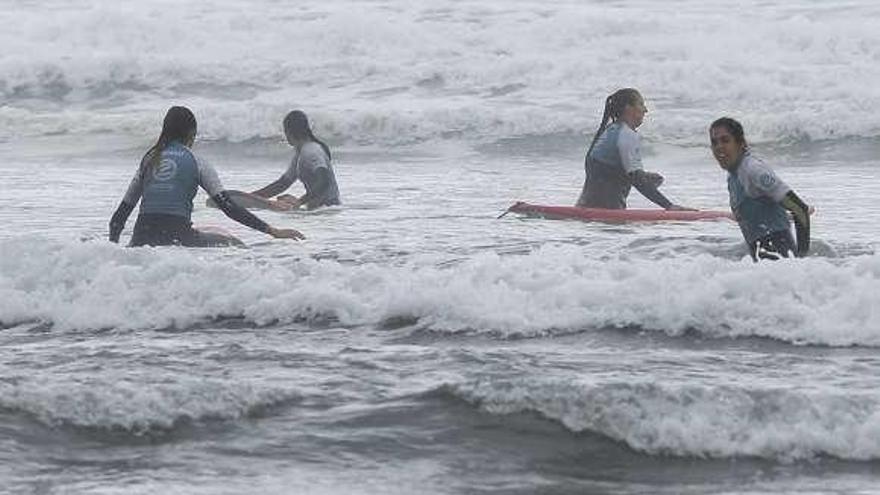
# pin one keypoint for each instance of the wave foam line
(554, 289)
(697, 421)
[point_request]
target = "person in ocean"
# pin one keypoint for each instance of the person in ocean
(613, 161)
(760, 201)
(165, 184)
(310, 164)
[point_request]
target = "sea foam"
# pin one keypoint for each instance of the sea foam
(552, 290)
(406, 72)
(696, 420)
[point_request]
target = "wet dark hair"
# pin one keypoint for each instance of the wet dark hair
(179, 125)
(732, 126)
(297, 124)
(614, 105)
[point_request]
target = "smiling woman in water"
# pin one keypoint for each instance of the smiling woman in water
(758, 198)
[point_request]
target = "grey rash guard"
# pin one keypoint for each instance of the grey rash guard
(612, 167)
(312, 166)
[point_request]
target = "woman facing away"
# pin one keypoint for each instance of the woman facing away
(165, 184)
(758, 198)
(310, 164)
(614, 163)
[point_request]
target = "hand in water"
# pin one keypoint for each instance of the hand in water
(275, 205)
(681, 208)
(289, 199)
(286, 234)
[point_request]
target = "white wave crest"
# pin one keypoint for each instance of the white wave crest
(402, 72)
(698, 421)
(133, 406)
(554, 289)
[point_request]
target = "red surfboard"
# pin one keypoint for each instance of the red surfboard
(615, 216)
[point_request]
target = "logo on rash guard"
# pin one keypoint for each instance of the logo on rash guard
(166, 170)
(767, 180)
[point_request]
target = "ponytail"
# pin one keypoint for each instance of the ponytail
(152, 158)
(322, 144)
(606, 115)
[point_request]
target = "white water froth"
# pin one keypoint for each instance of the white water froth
(697, 421)
(133, 406)
(552, 290)
(409, 71)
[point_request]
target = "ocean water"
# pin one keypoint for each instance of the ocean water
(415, 343)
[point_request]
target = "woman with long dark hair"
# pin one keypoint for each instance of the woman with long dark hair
(310, 165)
(165, 184)
(760, 201)
(614, 163)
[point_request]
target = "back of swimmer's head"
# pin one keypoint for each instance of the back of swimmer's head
(179, 125)
(298, 131)
(296, 125)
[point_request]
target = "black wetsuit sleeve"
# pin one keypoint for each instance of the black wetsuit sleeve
(800, 213)
(275, 188)
(641, 182)
(239, 214)
(117, 221)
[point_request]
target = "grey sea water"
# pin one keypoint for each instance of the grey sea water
(417, 344)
